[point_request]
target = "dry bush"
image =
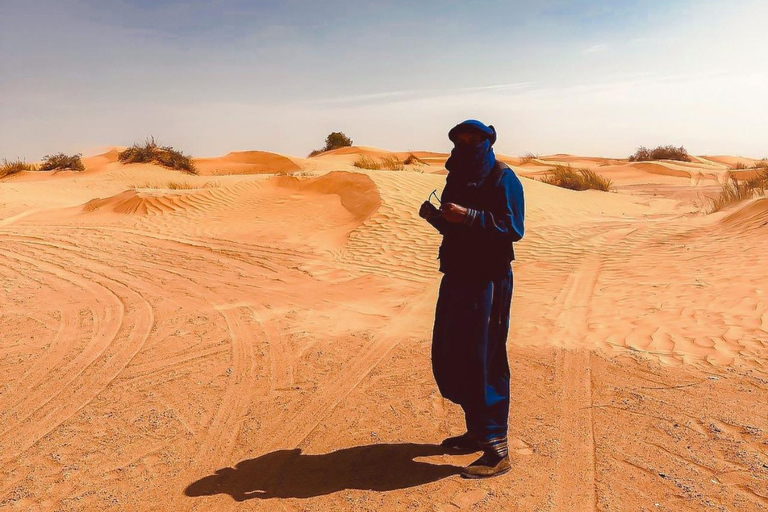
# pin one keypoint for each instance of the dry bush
(734, 191)
(60, 161)
(366, 162)
(731, 192)
(302, 174)
(577, 179)
(528, 157)
(644, 154)
(739, 166)
(177, 185)
(391, 163)
(9, 168)
(152, 152)
(412, 159)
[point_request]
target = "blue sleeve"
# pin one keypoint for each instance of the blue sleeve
(507, 218)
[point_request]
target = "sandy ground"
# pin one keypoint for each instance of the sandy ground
(261, 342)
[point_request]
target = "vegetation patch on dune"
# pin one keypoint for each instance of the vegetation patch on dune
(576, 179)
(334, 140)
(528, 158)
(61, 161)
(297, 174)
(177, 185)
(11, 167)
(412, 159)
(391, 163)
(734, 191)
(644, 154)
(757, 165)
(150, 152)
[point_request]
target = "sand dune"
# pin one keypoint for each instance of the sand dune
(144, 203)
(260, 341)
(751, 219)
(357, 192)
(246, 162)
(732, 161)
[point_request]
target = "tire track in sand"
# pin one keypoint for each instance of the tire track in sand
(576, 454)
(219, 436)
(126, 316)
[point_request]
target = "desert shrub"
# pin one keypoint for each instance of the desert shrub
(644, 154)
(577, 179)
(62, 161)
(740, 165)
(366, 162)
(528, 157)
(302, 174)
(734, 191)
(11, 167)
(412, 159)
(152, 152)
(391, 163)
(177, 185)
(334, 140)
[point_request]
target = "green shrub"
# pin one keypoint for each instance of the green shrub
(62, 161)
(152, 152)
(577, 179)
(9, 168)
(644, 154)
(334, 140)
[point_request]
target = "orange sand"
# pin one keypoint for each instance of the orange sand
(244, 341)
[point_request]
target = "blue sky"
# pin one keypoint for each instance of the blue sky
(211, 76)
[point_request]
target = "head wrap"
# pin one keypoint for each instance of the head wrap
(470, 164)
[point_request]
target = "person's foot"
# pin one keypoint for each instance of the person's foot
(493, 462)
(466, 442)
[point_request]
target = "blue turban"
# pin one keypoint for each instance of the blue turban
(471, 164)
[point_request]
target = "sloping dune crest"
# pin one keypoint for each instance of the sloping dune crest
(246, 162)
(748, 218)
(134, 202)
(358, 193)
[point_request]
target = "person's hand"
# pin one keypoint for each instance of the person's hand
(453, 212)
(428, 211)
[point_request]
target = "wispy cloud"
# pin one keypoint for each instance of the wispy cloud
(416, 94)
(596, 48)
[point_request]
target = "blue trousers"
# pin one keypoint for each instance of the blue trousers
(469, 352)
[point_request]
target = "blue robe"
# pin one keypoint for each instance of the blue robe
(469, 356)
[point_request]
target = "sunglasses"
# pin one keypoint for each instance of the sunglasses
(434, 193)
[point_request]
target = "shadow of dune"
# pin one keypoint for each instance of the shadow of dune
(291, 474)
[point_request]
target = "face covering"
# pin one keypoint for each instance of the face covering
(470, 164)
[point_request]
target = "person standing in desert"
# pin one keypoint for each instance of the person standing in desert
(480, 217)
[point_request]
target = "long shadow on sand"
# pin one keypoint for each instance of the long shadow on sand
(290, 474)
